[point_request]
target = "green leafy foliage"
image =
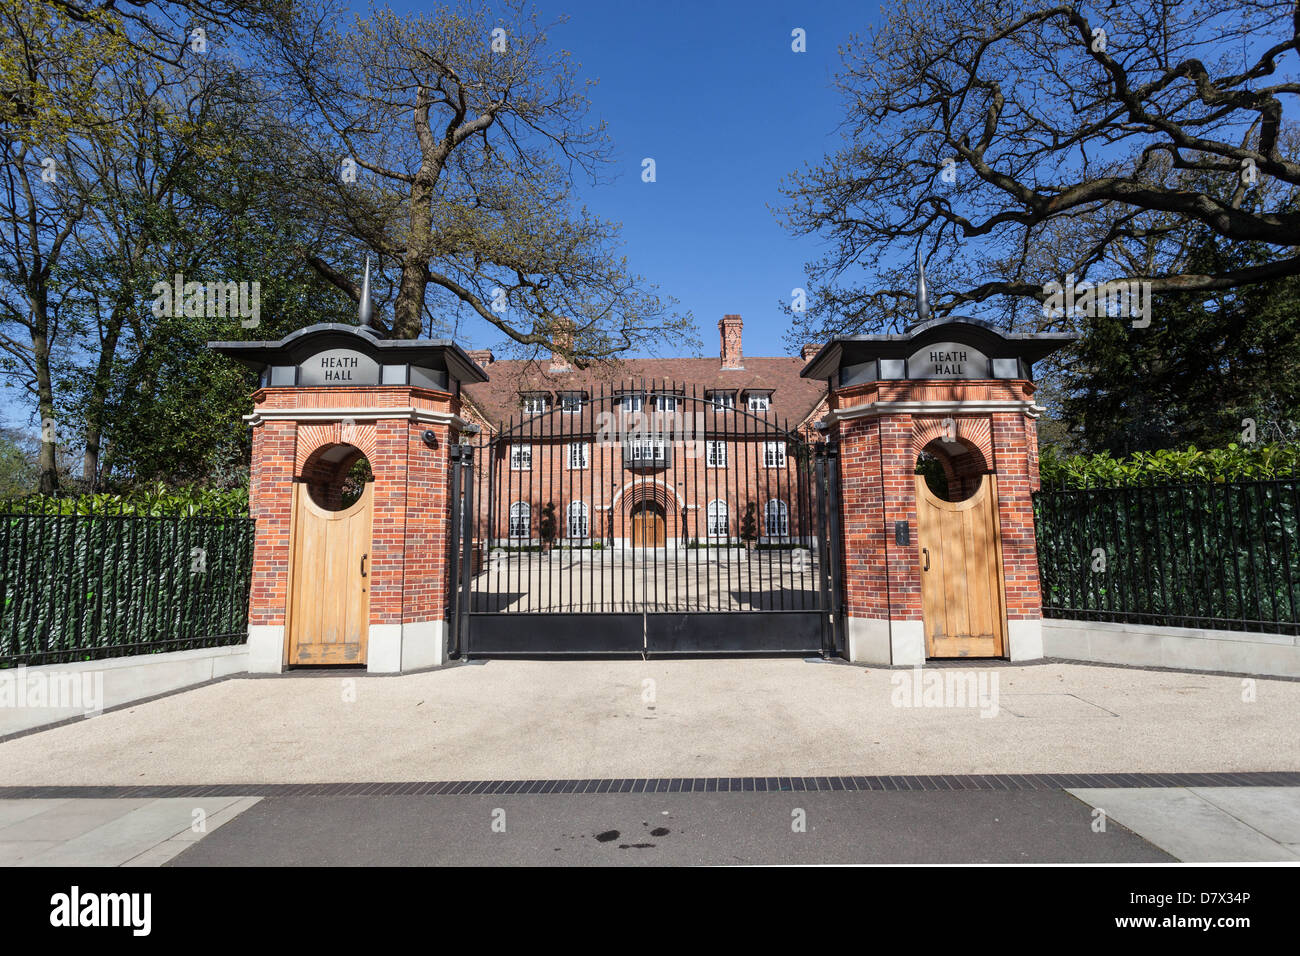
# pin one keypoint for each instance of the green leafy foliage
(1207, 361)
(155, 501)
(1254, 462)
(102, 583)
(1213, 554)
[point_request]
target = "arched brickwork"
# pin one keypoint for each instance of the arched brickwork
(312, 438)
(976, 432)
(648, 489)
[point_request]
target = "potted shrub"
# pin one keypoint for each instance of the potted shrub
(546, 527)
(749, 525)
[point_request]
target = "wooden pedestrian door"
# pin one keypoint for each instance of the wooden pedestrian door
(329, 581)
(649, 526)
(960, 550)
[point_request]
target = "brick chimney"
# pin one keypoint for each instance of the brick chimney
(809, 350)
(563, 337)
(729, 328)
(482, 357)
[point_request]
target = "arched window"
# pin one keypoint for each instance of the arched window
(718, 519)
(577, 519)
(521, 520)
(778, 518)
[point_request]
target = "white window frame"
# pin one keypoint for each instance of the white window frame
(782, 514)
(571, 403)
(667, 403)
(520, 511)
(773, 454)
(521, 457)
(631, 403)
(718, 509)
(724, 400)
(760, 403)
(577, 510)
(715, 453)
(583, 457)
(653, 445)
(536, 404)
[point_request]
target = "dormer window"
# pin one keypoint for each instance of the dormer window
(651, 452)
(535, 404)
(647, 450)
(760, 403)
(632, 403)
(667, 403)
(571, 401)
(722, 399)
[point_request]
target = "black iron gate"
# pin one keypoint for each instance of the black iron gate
(645, 520)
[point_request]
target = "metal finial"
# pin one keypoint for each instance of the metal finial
(922, 293)
(364, 308)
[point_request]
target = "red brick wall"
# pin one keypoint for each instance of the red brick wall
(1015, 451)
(270, 503)
(411, 527)
(877, 465)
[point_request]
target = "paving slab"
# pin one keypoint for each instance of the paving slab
(111, 832)
(1194, 824)
(1273, 811)
(575, 720)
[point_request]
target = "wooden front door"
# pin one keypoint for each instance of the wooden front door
(960, 550)
(329, 581)
(649, 528)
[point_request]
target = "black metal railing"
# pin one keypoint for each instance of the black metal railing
(112, 582)
(595, 529)
(1206, 555)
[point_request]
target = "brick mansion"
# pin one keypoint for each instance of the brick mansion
(649, 453)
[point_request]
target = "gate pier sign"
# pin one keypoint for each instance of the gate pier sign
(348, 570)
(939, 458)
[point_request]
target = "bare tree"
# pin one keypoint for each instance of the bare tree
(1028, 141)
(466, 132)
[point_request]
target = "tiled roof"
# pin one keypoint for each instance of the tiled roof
(793, 398)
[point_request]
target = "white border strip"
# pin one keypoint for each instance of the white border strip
(876, 409)
(368, 414)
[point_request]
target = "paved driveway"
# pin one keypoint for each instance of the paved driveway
(525, 719)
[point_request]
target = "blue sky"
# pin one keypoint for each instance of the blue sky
(715, 95)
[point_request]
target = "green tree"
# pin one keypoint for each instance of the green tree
(1018, 143)
(450, 144)
(19, 465)
(1207, 364)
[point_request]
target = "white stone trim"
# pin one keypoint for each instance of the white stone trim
(115, 681)
(1185, 648)
(398, 648)
(265, 648)
(367, 414)
(868, 641)
(907, 643)
(886, 642)
(1025, 640)
(876, 409)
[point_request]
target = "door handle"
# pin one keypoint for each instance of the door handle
(363, 564)
(926, 553)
